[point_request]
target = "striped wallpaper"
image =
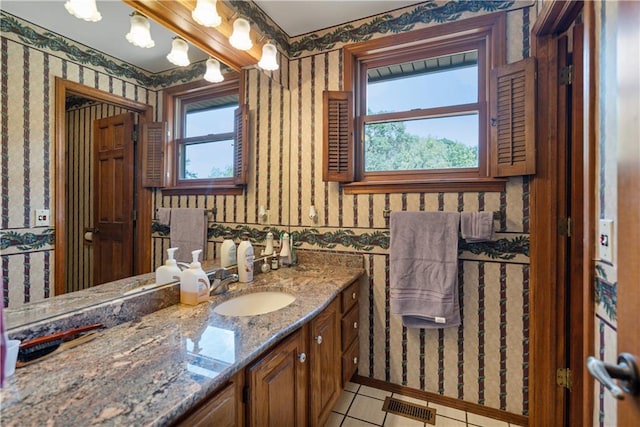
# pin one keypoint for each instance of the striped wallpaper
(484, 361)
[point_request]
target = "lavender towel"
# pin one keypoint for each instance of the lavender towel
(188, 232)
(477, 226)
(424, 268)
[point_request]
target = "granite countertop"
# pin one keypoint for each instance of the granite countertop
(153, 369)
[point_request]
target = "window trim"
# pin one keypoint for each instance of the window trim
(485, 32)
(175, 185)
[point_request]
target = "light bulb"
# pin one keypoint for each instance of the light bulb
(213, 73)
(140, 32)
(178, 55)
(240, 38)
(83, 9)
(206, 13)
(269, 61)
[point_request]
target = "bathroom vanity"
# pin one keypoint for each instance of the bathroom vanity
(184, 365)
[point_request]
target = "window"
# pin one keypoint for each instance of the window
(414, 115)
(424, 113)
(205, 139)
(206, 152)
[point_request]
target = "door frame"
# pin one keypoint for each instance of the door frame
(548, 334)
(142, 238)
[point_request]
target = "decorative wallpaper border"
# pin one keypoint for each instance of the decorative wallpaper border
(606, 293)
(28, 241)
(40, 38)
(504, 249)
(424, 13)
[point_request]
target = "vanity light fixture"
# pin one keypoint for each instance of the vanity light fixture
(140, 32)
(206, 13)
(269, 60)
(213, 73)
(240, 38)
(178, 55)
(83, 9)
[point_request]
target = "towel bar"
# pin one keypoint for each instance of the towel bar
(387, 213)
(212, 210)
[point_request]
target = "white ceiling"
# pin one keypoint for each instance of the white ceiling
(295, 17)
(298, 17)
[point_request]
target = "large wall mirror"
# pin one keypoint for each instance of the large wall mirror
(81, 101)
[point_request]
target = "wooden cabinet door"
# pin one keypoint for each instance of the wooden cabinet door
(325, 358)
(278, 385)
(223, 409)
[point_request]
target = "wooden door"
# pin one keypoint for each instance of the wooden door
(325, 355)
(113, 196)
(628, 246)
(278, 385)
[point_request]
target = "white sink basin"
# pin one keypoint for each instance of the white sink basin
(254, 303)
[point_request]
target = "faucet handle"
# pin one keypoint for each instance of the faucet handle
(220, 273)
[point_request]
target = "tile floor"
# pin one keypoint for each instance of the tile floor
(361, 406)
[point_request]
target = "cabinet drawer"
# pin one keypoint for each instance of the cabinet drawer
(350, 327)
(350, 361)
(349, 296)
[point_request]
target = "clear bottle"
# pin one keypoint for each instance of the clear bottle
(169, 272)
(228, 251)
(194, 283)
(245, 259)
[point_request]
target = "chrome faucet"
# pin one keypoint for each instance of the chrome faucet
(222, 278)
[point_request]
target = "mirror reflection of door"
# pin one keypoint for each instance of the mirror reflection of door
(82, 246)
(113, 187)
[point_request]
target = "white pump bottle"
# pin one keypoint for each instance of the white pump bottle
(194, 283)
(245, 259)
(169, 272)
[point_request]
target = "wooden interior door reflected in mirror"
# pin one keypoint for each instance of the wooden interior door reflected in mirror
(113, 193)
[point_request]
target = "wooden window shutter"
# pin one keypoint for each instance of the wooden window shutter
(338, 145)
(241, 145)
(153, 143)
(512, 111)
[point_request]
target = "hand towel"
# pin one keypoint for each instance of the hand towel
(423, 268)
(164, 216)
(188, 232)
(477, 226)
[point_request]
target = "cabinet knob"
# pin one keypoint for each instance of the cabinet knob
(354, 295)
(355, 360)
(355, 325)
(318, 339)
(302, 357)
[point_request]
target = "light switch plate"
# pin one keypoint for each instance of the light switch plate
(605, 240)
(42, 218)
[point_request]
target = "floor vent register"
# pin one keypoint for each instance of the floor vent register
(409, 410)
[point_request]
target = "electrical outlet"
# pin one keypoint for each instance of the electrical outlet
(605, 240)
(42, 218)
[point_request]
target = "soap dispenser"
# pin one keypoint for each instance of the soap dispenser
(245, 259)
(227, 251)
(169, 272)
(268, 250)
(194, 283)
